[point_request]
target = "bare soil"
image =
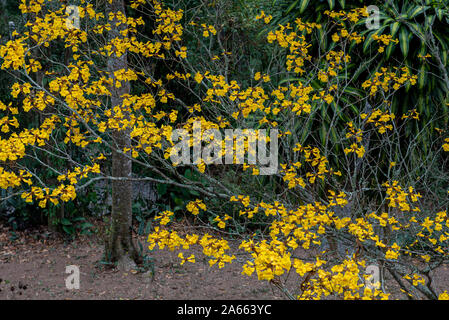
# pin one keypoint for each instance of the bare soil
(32, 266)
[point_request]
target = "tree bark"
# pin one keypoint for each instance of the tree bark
(120, 248)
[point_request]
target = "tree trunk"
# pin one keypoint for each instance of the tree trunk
(120, 247)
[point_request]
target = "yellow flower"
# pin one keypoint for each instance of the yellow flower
(198, 77)
(390, 254)
(190, 259)
(443, 296)
(335, 37)
(446, 145)
(195, 206)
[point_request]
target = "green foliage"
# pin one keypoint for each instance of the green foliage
(421, 28)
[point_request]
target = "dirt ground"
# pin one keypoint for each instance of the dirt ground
(33, 267)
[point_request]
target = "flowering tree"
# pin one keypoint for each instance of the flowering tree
(87, 103)
(352, 193)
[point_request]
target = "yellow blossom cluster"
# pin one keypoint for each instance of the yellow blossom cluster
(400, 198)
(266, 18)
(353, 15)
(380, 119)
(164, 217)
(384, 40)
(195, 206)
(386, 80)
